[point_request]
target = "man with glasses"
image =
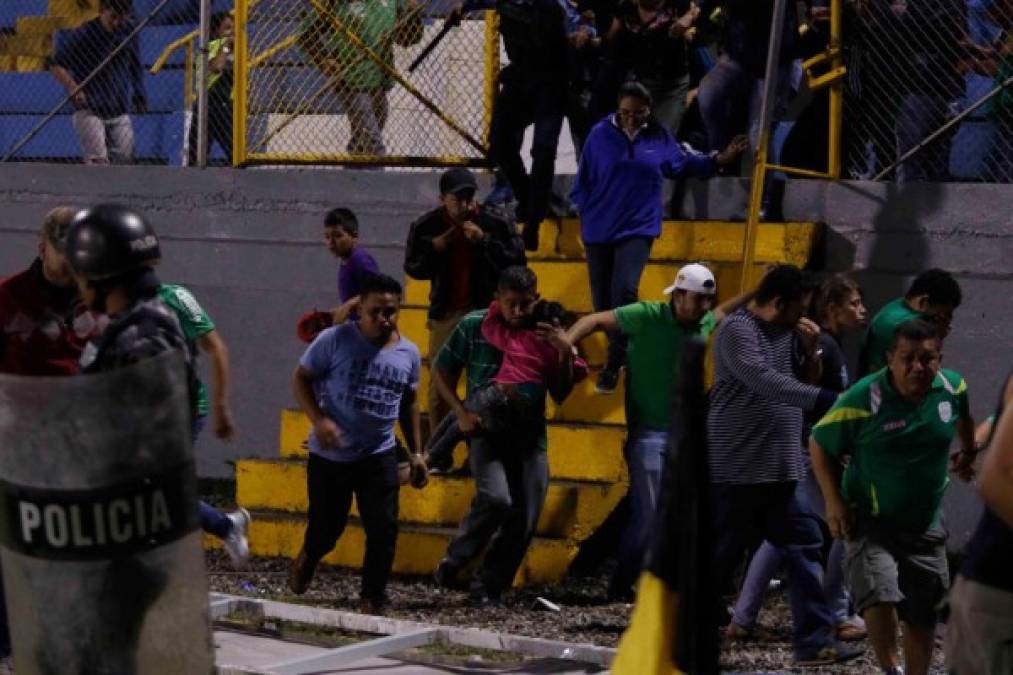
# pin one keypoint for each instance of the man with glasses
(101, 107)
(461, 249)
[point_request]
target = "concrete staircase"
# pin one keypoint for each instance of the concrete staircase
(586, 433)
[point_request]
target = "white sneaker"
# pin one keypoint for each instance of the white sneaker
(236, 544)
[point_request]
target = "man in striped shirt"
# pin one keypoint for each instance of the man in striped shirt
(754, 428)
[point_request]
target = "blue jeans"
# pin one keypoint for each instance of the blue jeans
(742, 516)
(769, 559)
(614, 270)
(212, 520)
(918, 117)
(645, 453)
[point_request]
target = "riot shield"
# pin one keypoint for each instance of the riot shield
(101, 549)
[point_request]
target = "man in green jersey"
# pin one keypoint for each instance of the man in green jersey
(656, 331)
(934, 295)
(897, 425)
(199, 330)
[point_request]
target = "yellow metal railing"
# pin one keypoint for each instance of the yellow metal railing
(816, 79)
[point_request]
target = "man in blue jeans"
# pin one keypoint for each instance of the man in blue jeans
(754, 427)
(656, 331)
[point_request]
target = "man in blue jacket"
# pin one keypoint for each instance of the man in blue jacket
(101, 117)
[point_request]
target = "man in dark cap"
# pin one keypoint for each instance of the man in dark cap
(461, 250)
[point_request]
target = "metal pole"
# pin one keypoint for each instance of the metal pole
(763, 141)
(83, 83)
(946, 127)
(202, 84)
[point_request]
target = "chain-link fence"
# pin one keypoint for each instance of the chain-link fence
(929, 82)
(323, 81)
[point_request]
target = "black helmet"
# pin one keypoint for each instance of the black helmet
(108, 240)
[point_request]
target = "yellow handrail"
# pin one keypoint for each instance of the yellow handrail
(170, 48)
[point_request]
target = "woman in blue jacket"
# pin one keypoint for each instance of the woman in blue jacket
(617, 192)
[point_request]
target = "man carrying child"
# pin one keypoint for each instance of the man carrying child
(511, 469)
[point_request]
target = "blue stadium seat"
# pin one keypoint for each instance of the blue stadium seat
(10, 10)
(177, 11)
(56, 140)
(164, 90)
(154, 39)
(30, 93)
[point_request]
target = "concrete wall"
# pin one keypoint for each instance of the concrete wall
(248, 244)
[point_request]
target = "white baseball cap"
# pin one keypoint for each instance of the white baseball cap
(694, 277)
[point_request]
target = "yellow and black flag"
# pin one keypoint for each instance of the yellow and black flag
(671, 629)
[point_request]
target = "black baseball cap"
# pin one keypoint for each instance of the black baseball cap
(457, 180)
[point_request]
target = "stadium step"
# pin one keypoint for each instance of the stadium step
(419, 547)
(572, 508)
(577, 452)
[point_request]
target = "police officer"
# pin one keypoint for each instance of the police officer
(112, 250)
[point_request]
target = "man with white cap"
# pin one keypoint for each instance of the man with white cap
(655, 331)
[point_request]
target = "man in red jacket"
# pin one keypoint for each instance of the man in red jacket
(43, 324)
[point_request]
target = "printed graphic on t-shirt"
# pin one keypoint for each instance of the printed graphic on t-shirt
(371, 387)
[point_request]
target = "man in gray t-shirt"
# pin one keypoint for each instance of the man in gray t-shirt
(354, 382)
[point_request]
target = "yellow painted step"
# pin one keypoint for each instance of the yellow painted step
(30, 46)
(566, 281)
(412, 324)
(419, 548)
(576, 452)
(72, 9)
(572, 509)
(716, 241)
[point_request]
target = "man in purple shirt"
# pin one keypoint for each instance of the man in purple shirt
(341, 235)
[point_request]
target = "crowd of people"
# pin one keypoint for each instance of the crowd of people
(701, 66)
(838, 479)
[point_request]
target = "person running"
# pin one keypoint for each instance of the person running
(504, 404)
(656, 331)
(511, 470)
(617, 191)
(979, 632)
(202, 336)
(933, 295)
(896, 425)
(354, 382)
(839, 309)
(754, 425)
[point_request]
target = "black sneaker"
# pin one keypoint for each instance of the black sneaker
(829, 654)
(440, 464)
(445, 576)
(479, 597)
(608, 380)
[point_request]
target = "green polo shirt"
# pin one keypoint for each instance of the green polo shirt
(899, 449)
(881, 331)
(373, 21)
(194, 321)
(652, 359)
(466, 349)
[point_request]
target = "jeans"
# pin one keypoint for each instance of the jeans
(519, 104)
(499, 411)
(645, 452)
(366, 111)
(511, 479)
(614, 270)
(742, 516)
(104, 140)
(374, 482)
(212, 520)
(669, 101)
(731, 99)
(769, 559)
(918, 117)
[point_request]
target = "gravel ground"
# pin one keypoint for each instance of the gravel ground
(586, 616)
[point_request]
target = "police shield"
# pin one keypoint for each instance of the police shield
(101, 549)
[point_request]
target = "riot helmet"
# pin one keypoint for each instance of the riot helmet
(109, 240)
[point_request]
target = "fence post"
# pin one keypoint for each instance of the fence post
(240, 84)
(763, 142)
(202, 84)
